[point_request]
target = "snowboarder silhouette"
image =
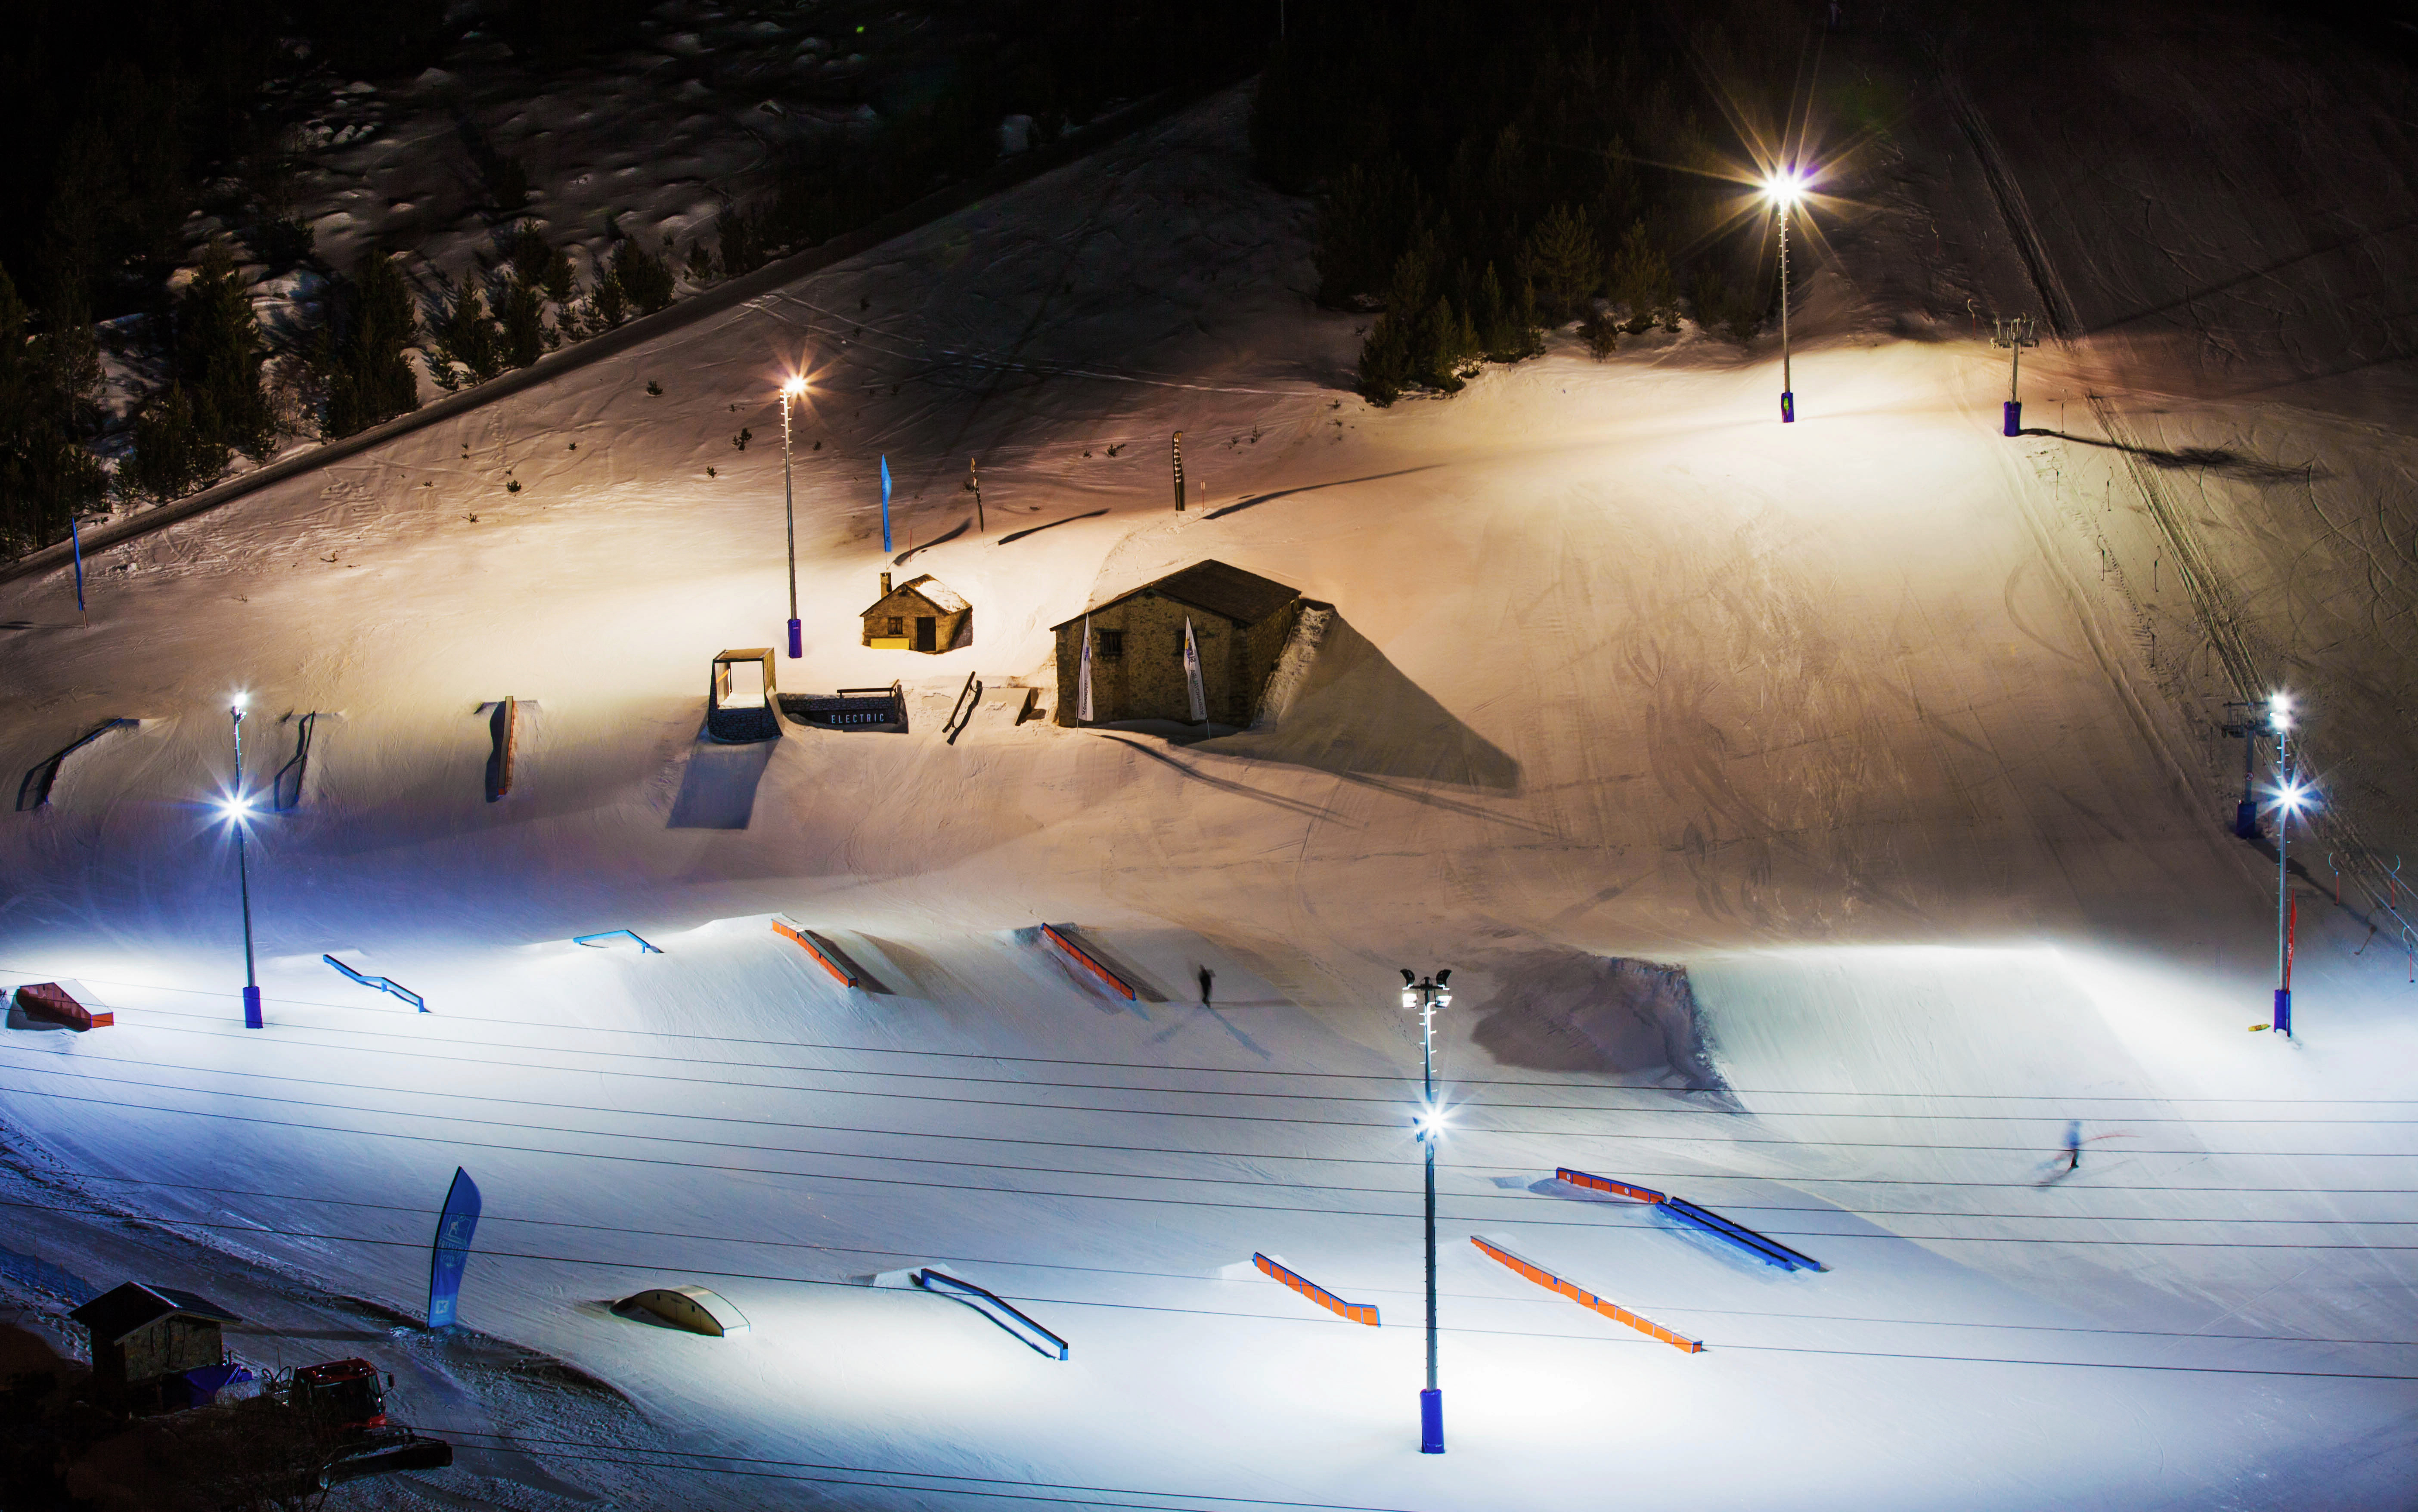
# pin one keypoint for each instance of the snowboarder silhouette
(2073, 1144)
(1207, 977)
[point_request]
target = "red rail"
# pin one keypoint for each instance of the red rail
(1551, 1282)
(1115, 983)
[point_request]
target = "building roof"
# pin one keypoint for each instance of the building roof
(1244, 597)
(122, 1310)
(928, 589)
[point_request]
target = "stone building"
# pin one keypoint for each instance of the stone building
(1240, 621)
(922, 614)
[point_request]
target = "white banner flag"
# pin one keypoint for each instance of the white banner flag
(1083, 682)
(1192, 674)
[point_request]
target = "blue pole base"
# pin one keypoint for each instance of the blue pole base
(2284, 1011)
(1787, 408)
(2246, 819)
(251, 1008)
(797, 644)
(2015, 417)
(1431, 1421)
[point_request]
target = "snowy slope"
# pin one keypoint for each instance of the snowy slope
(1850, 719)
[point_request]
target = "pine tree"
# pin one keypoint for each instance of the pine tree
(369, 381)
(607, 304)
(467, 337)
(701, 268)
(1385, 359)
(1562, 261)
(177, 445)
(219, 352)
(45, 475)
(1641, 280)
(522, 312)
(562, 284)
(643, 277)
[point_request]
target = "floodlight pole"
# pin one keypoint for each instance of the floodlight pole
(2015, 335)
(2283, 1019)
(1427, 996)
(1787, 386)
(789, 509)
(251, 1018)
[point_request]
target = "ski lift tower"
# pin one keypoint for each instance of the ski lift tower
(2015, 335)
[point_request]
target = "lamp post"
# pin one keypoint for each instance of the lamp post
(2291, 796)
(239, 812)
(1426, 996)
(790, 392)
(1784, 189)
(2015, 335)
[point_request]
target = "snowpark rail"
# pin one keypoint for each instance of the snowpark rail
(991, 1304)
(1356, 1312)
(382, 984)
(1035, 162)
(1584, 1298)
(1769, 1251)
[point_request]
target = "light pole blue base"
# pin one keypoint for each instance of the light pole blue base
(1431, 1421)
(251, 1008)
(797, 645)
(2284, 1011)
(1787, 408)
(2015, 417)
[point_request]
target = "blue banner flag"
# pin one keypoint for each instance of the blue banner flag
(885, 501)
(77, 536)
(451, 1251)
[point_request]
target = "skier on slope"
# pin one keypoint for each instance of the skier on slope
(2073, 1144)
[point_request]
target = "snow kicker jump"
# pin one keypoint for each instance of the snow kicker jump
(1769, 1251)
(1584, 1298)
(1356, 1312)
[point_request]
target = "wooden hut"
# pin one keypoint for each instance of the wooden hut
(922, 614)
(142, 1335)
(1239, 621)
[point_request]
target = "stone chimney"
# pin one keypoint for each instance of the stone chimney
(885, 584)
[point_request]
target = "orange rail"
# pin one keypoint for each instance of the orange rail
(1352, 1312)
(1605, 1183)
(1551, 1282)
(1116, 984)
(786, 931)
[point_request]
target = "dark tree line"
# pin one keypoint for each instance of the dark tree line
(1487, 170)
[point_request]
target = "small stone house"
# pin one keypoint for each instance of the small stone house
(922, 614)
(1240, 621)
(144, 1334)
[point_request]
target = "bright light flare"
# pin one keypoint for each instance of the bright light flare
(795, 387)
(2292, 797)
(2279, 712)
(235, 808)
(1786, 187)
(237, 700)
(1432, 1122)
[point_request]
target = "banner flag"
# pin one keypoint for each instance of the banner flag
(451, 1250)
(77, 536)
(1192, 674)
(1083, 684)
(885, 501)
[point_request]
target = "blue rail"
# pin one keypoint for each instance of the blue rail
(382, 984)
(1769, 1251)
(617, 934)
(1024, 1329)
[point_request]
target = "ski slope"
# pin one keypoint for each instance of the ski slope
(1856, 720)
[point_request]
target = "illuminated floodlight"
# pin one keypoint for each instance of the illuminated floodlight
(236, 808)
(1785, 187)
(234, 704)
(1430, 1121)
(2279, 712)
(2292, 797)
(795, 385)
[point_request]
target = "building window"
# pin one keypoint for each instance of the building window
(1113, 645)
(897, 624)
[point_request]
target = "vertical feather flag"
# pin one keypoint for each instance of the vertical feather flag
(1192, 674)
(77, 536)
(1084, 682)
(451, 1251)
(885, 501)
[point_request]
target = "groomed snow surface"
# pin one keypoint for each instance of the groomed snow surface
(1851, 719)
